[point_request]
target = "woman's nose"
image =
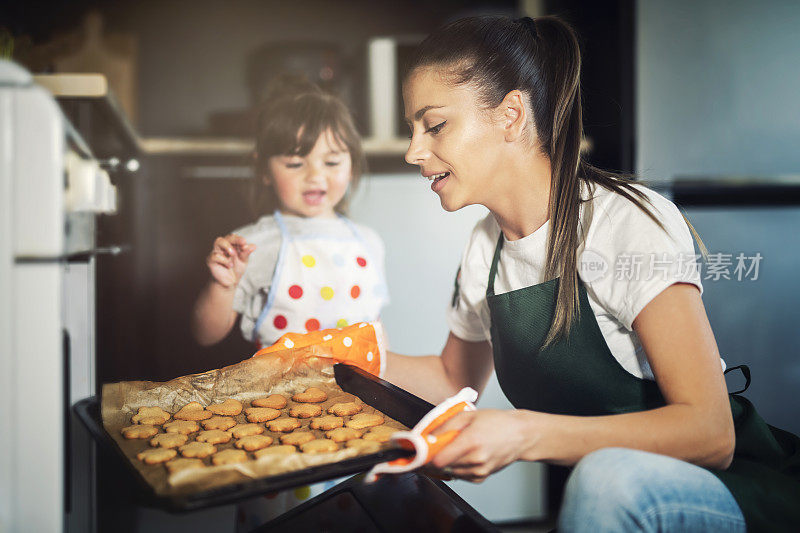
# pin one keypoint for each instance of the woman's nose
(416, 153)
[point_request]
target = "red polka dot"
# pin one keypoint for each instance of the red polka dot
(355, 292)
(312, 324)
(361, 261)
(279, 322)
(295, 291)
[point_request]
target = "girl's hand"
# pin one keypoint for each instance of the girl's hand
(228, 259)
(489, 440)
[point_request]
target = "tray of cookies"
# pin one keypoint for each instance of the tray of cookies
(195, 443)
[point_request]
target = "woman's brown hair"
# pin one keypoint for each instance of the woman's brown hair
(295, 112)
(542, 59)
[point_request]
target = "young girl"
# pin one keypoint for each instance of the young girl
(303, 266)
(613, 370)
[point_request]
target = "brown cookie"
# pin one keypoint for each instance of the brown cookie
(284, 425)
(168, 440)
(181, 463)
(319, 446)
(305, 410)
(229, 456)
(193, 411)
(380, 433)
(197, 449)
(261, 414)
(275, 401)
(139, 431)
(343, 434)
(365, 446)
(229, 407)
(214, 436)
(310, 395)
(365, 420)
(344, 409)
(245, 430)
(327, 422)
(280, 449)
(253, 442)
(156, 455)
(219, 422)
(182, 426)
(152, 416)
(297, 438)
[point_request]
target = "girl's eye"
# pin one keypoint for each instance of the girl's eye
(436, 129)
(294, 165)
(332, 163)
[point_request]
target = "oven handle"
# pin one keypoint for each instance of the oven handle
(75, 257)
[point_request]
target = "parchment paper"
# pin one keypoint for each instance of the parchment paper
(278, 373)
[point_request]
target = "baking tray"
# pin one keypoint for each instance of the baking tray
(382, 395)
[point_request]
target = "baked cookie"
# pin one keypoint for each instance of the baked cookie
(168, 440)
(219, 422)
(261, 414)
(181, 463)
(319, 446)
(253, 442)
(229, 456)
(327, 422)
(182, 426)
(214, 436)
(344, 409)
(310, 395)
(297, 438)
(152, 416)
(365, 420)
(245, 430)
(193, 411)
(380, 433)
(197, 449)
(275, 401)
(283, 425)
(280, 449)
(139, 431)
(343, 434)
(305, 410)
(365, 446)
(156, 455)
(229, 407)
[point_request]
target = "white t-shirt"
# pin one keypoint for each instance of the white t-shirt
(251, 293)
(614, 237)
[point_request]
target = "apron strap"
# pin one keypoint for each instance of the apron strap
(493, 269)
(745, 372)
(276, 276)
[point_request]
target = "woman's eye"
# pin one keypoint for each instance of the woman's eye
(436, 129)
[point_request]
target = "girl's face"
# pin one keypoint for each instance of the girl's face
(312, 185)
(453, 138)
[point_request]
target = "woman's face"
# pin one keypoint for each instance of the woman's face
(452, 138)
(312, 185)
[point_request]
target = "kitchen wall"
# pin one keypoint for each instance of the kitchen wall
(716, 92)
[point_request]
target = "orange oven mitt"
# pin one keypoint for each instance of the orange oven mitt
(420, 439)
(359, 345)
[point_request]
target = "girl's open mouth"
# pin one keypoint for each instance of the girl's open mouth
(313, 197)
(438, 181)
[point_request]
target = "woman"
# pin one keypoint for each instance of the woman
(616, 373)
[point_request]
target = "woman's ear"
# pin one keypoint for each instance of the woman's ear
(514, 115)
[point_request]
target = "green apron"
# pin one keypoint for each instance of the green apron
(579, 375)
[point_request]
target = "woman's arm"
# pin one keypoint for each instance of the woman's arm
(434, 378)
(695, 426)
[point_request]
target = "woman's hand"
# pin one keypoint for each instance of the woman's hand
(228, 259)
(489, 439)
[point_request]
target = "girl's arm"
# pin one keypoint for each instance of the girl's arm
(213, 316)
(434, 378)
(695, 426)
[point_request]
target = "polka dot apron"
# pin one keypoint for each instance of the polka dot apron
(320, 282)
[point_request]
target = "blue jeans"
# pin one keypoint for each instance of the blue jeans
(618, 490)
